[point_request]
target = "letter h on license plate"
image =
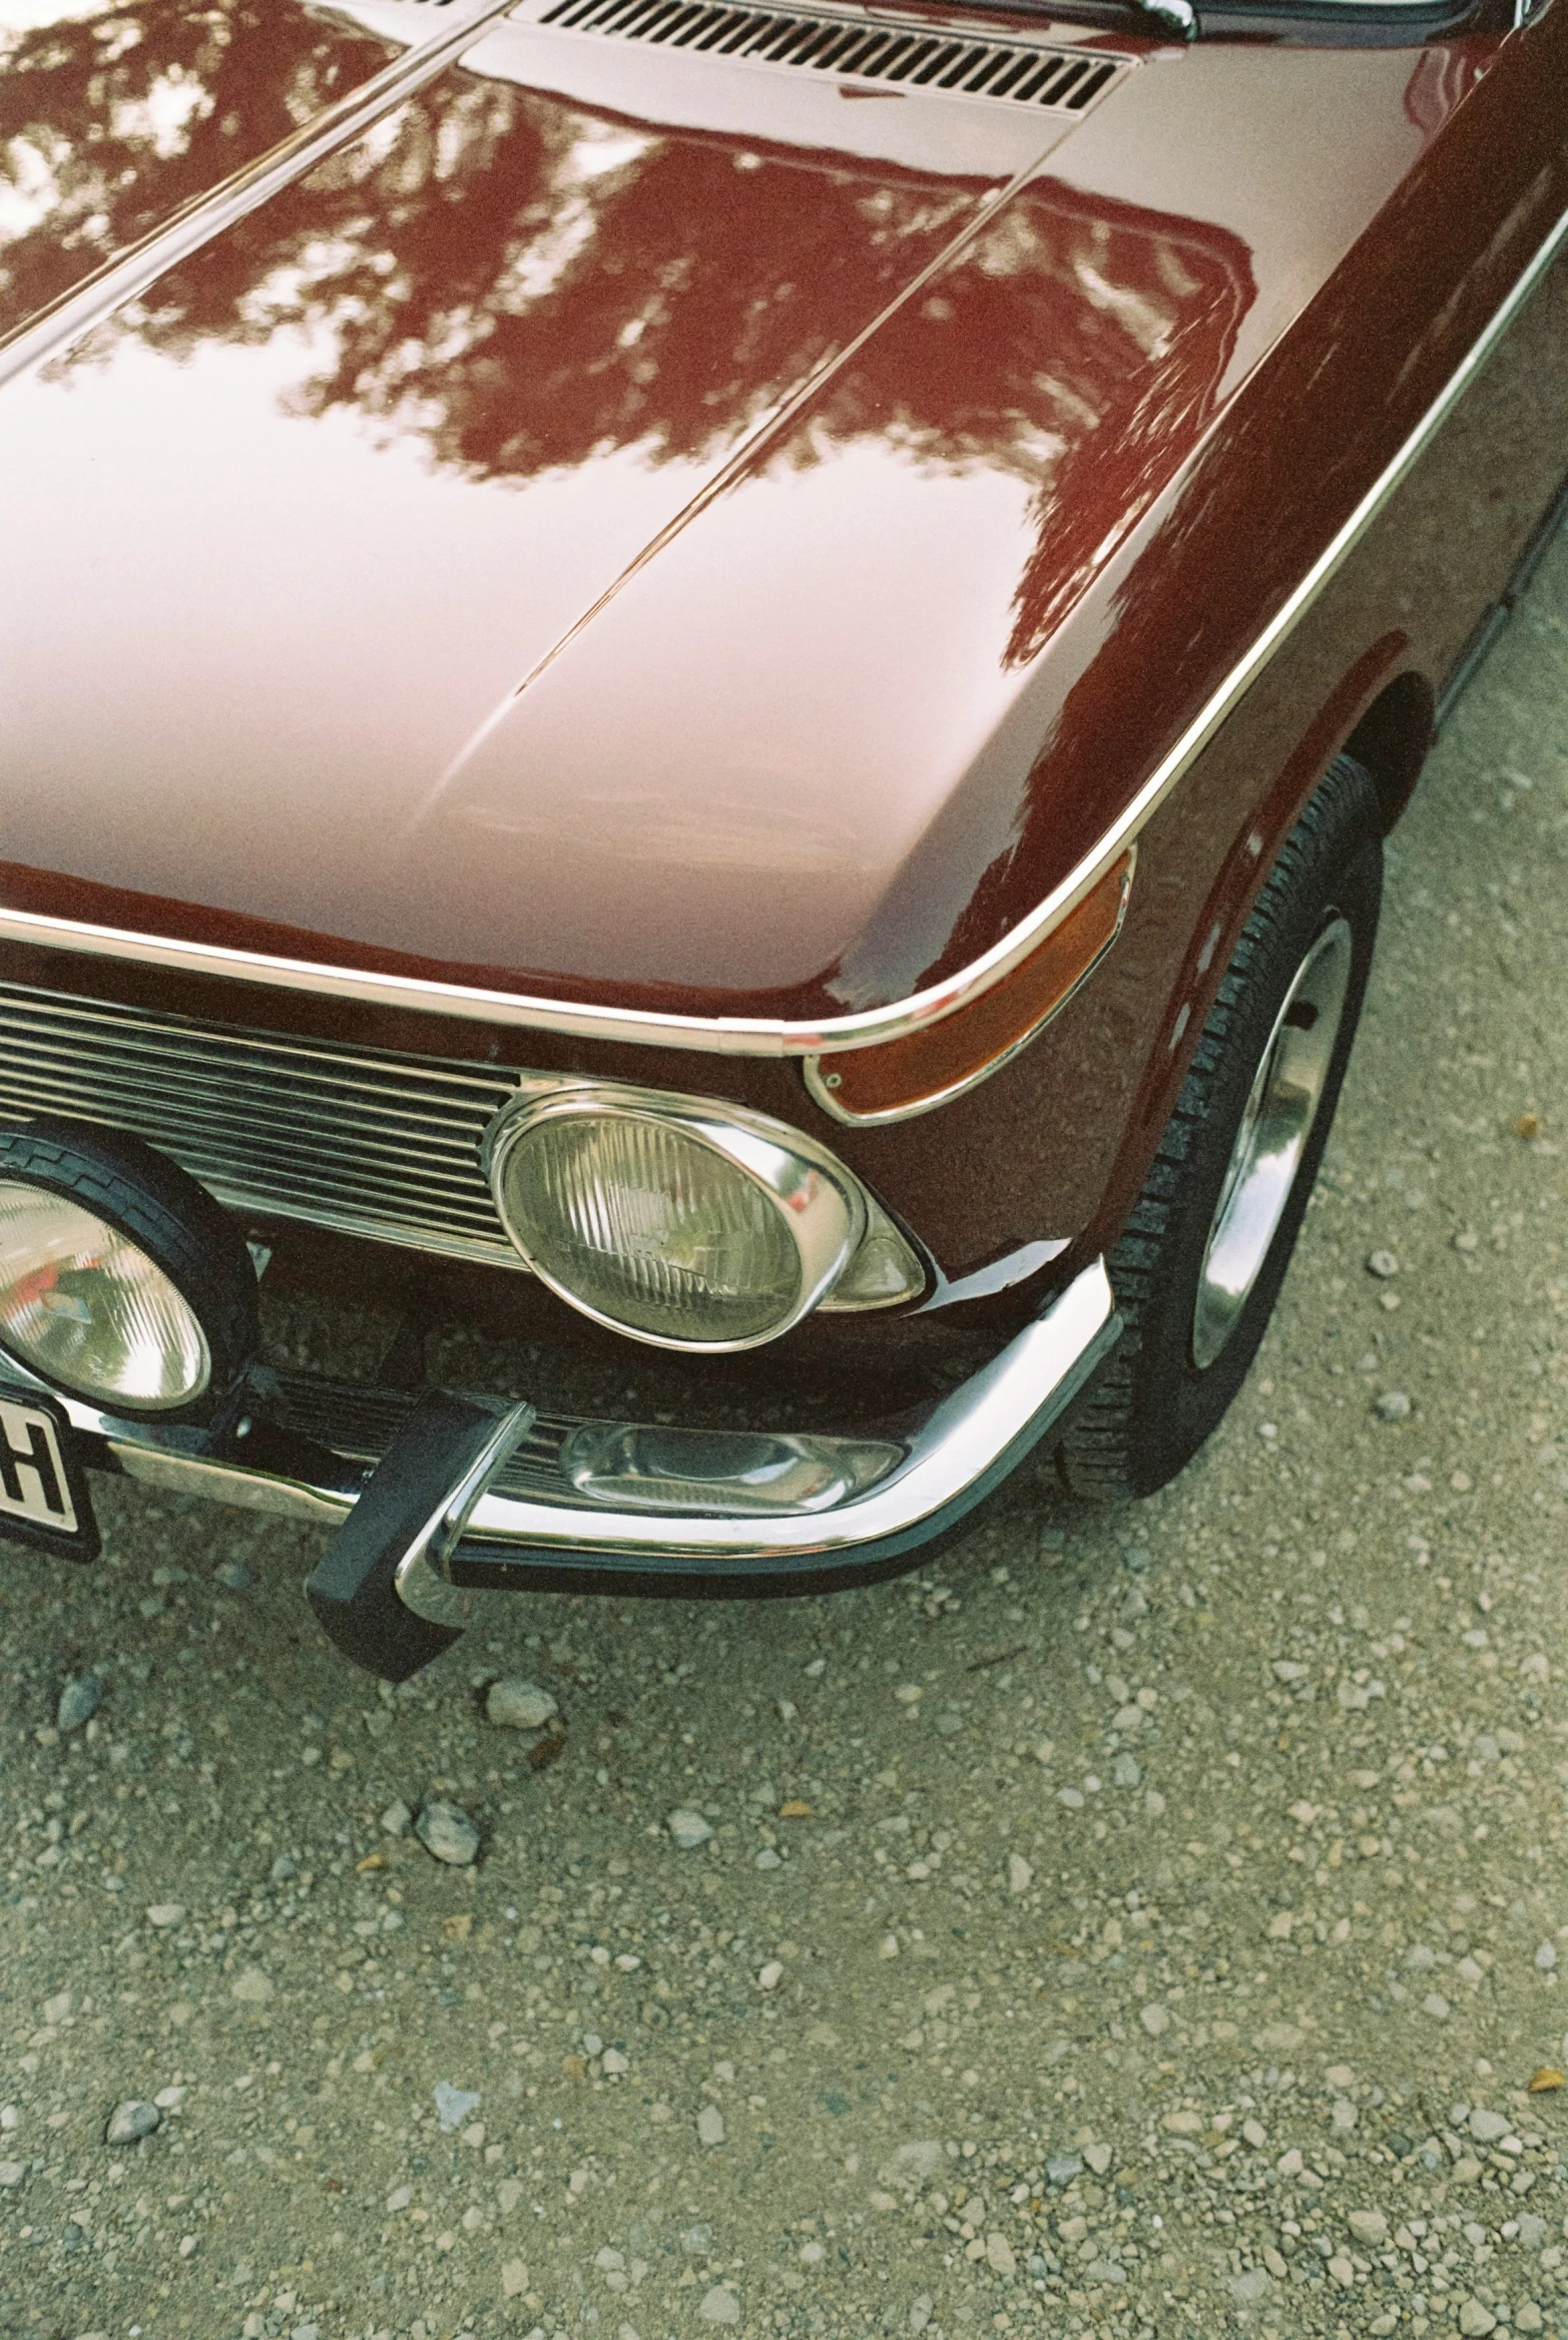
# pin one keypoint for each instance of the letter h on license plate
(42, 1495)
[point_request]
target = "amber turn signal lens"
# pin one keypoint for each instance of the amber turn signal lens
(943, 1059)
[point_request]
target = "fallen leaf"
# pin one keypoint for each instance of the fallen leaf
(549, 1749)
(1527, 1125)
(460, 1926)
(1545, 2080)
(794, 1810)
(371, 1861)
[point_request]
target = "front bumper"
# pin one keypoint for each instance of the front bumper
(305, 1449)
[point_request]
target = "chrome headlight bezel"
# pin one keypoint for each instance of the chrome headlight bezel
(820, 1203)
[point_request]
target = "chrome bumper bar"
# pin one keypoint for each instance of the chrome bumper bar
(307, 1450)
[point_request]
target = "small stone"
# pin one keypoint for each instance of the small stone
(448, 1835)
(1436, 2005)
(168, 2100)
(720, 2306)
(234, 1576)
(1288, 1669)
(166, 1914)
(710, 2125)
(1020, 1876)
(1533, 2231)
(1154, 2017)
(1253, 2284)
(1528, 2317)
(284, 1869)
(768, 1859)
(1289, 2164)
(614, 2062)
(396, 1820)
(949, 1724)
(1341, 2270)
(1546, 1957)
(1255, 2134)
(252, 1988)
(453, 2105)
(1475, 2319)
(770, 1975)
(1344, 2114)
(12, 2173)
(1098, 2158)
(1071, 1797)
(79, 1702)
(1394, 1406)
(1124, 1772)
(514, 2279)
(1368, 2226)
(999, 2255)
(515, 1705)
(1486, 2126)
(688, 1828)
(1062, 2168)
(1383, 1265)
(131, 2122)
(1183, 2123)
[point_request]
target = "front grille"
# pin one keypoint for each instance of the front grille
(1019, 72)
(356, 1139)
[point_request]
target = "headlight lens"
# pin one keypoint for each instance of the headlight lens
(85, 1309)
(673, 1220)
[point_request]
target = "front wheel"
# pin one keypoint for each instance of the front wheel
(1200, 1263)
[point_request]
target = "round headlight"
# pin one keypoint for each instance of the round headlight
(684, 1223)
(121, 1280)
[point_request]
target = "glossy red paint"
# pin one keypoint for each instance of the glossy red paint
(710, 546)
(113, 118)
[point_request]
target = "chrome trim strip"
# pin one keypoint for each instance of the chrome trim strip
(766, 1037)
(821, 1087)
(132, 272)
(963, 1448)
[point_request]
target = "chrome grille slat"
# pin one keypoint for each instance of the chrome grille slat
(362, 1142)
(996, 68)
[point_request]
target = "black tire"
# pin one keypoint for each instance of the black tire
(173, 1220)
(1153, 1404)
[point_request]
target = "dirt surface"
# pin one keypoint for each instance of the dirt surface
(1151, 1921)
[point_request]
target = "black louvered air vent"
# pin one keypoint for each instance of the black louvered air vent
(900, 56)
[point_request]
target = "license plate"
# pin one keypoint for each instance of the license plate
(43, 1489)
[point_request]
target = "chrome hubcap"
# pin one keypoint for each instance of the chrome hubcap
(1286, 1093)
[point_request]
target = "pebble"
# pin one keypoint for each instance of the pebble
(284, 1869)
(1368, 2226)
(79, 1702)
(770, 1975)
(1020, 1876)
(1381, 1264)
(448, 1835)
(12, 2173)
(515, 1705)
(1475, 2319)
(453, 2105)
(1124, 1772)
(689, 1829)
(1487, 2127)
(234, 1576)
(396, 1820)
(1394, 1406)
(132, 2120)
(252, 1988)
(768, 1858)
(710, 2125)
(1546, 1957)
(166, 1914)
(720, 2306)
(1062, 2168)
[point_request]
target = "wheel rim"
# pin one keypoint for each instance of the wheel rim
(1286, 1096)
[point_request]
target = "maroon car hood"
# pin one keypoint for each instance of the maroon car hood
(628, 524)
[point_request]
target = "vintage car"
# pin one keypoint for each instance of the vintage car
(699, 701)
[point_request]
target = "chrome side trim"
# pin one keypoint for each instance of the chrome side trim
(132, 272)
(958, 1454)
(768, 1036)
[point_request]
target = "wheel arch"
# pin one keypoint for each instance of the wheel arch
(1391, 739)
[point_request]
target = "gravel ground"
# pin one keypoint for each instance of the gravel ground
(1146, 1922)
